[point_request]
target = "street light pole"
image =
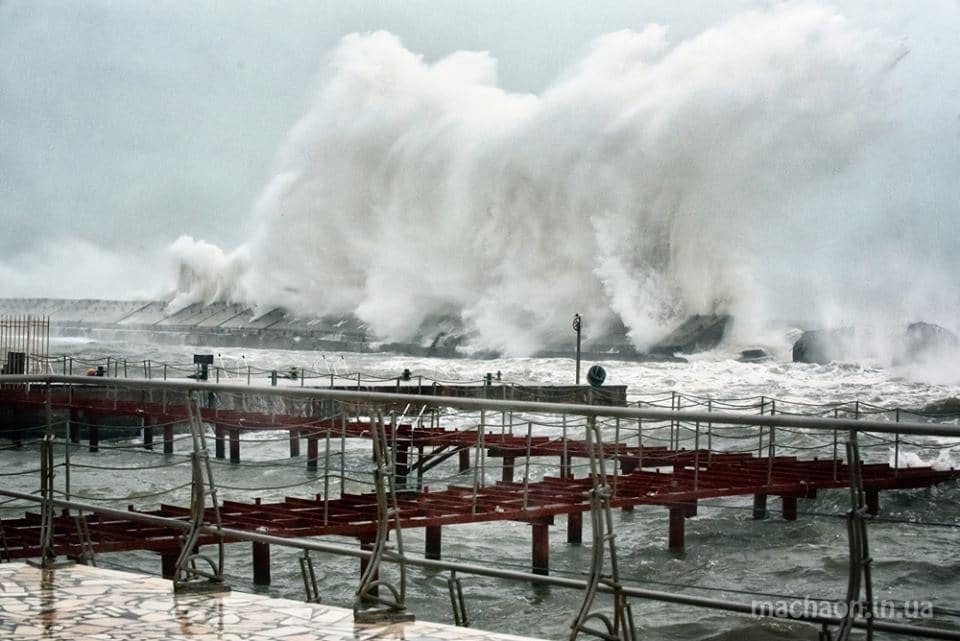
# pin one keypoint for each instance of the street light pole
(576, 328)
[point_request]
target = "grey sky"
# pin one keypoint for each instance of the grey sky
(127, 124)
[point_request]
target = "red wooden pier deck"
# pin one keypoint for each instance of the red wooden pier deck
(716, 474)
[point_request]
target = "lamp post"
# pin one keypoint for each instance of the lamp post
(576, 328)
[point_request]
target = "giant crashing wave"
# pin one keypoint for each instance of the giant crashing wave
(651, 182)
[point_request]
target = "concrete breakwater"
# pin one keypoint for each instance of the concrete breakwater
(238, 325)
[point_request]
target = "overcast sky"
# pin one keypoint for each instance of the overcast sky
(124, 125)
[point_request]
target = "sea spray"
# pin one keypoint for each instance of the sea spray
(650, 181)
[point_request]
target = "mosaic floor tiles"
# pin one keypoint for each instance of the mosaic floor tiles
(81, 602)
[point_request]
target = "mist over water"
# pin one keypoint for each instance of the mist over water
(737, 171)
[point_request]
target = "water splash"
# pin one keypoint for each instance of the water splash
(650, 181)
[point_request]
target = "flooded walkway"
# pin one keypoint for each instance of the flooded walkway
(82, 602)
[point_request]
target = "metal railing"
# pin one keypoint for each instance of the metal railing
(612, 419)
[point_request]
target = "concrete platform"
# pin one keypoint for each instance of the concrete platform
(81, 602)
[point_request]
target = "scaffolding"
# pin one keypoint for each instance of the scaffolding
(25, 344)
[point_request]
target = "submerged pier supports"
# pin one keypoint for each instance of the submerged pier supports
(433, 544)
(168, 438)
(261, 563)
(540, 552)
(679, 513)
(759, 506)
(575, 528)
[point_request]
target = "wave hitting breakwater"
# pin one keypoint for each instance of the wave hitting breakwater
(733, 172)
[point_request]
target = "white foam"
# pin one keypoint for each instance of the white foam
(736, 171)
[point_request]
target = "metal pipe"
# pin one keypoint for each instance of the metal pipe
(724, 418)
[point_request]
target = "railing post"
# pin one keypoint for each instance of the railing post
(709, 434)
(526, 467)
(836, 461)
(696, 457)
(896, 447)
(771, 447)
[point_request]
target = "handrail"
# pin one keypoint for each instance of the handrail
(676, 418)
(480, 570)
(723, 418)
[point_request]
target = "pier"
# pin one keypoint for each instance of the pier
(434, 463)
(642, 474)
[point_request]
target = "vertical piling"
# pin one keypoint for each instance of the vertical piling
(508, 465)
(789, 508)
(168, 438)
(541, 548)
(148, 432)
(75, 418)
(678, 515)
(294, 442)
(872, 495)
(168, 564)
(464, 459)
(759, 506)
(93, 432)
(261, 563)
(401, 452)
(312, 451)
(575, 528)
(433, 542)
(234, 434)
(219, 438)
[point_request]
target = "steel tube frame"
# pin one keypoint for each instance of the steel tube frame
(480, 570)
(772, 420)
(477, 404)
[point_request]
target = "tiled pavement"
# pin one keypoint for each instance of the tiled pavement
(81, 602)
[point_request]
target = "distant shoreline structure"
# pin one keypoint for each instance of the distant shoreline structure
(239, 325)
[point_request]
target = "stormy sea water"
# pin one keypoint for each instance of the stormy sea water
(791, 161)
(728, 554)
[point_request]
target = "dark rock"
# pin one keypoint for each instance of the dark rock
(923, 339)
(823, 345)
(944, 406)
(847, 343)
(754, 356)
(697, 334)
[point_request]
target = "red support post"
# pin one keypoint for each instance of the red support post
(566, 467)
(873, 500)
(402, 467)
(234, 433)
(294, 442)
(312, 451)
(759, 506)
(507, 473)
(541, 548)
(433, 542)
(168, 564)
(789, 508)
(93, 432)
(148, 422)
(575, 528)
(75, 418)
(219, 447)
(168, 438)
(261, 563)
(464, 459)
(678, 516)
